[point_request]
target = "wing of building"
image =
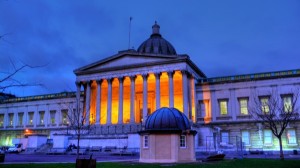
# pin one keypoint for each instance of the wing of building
(117, 94)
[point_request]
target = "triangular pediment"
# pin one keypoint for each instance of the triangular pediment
(125, 60)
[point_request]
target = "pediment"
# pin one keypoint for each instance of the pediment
(125, 60)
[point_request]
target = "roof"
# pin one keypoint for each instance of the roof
(251, 77)
(156, 44)
(40, 97)
(166, 119)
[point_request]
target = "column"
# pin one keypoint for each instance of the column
(171, 89)
(195, 98)
(77, 103)
(145, 97)
(87, 102)
(132, 98)
(120, 115)
(98, 100)
(190, 96)
(109, 101)
(157, 89)
(185, 93)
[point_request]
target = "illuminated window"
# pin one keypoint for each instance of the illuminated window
(42, 114)
(264, 101)
(182, 141)
(64, 117)
(11, 119)
(267, 137)
(225, 137)
(1, 120)
(246, 137)
(243, 106)
(223, 107)
(20, 119)
(146, 141)
(287, 103)
(52, 116)
(30, 121)
(291, 136)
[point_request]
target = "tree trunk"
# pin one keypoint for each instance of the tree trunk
(281, 151)
(78, 138)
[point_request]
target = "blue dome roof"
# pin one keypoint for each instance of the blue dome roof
(156, 44)
(167, 119)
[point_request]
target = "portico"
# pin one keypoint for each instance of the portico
(130, 99)
(129, 86)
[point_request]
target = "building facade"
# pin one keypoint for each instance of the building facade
(118, 93)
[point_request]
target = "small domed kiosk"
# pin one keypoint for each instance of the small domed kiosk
(167, 137)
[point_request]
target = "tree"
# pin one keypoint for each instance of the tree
(276, 112)
(79, 121)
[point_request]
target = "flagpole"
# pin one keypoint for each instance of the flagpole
(129, 32)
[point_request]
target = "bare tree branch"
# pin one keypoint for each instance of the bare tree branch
(276, 112)
(8, 80)
(3, 39)
(78, 121)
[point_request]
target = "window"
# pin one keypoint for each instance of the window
(264, 101)
(291, 136)
(267, 137)
(223, 107)
(11, 119)
(1, 120)
(243, 106)
(20, 119)
(146, 141)
(287, 103)
(246, 137)
(225, 137)
(52, 116)
(182, 141)
(64, 114)
(201, 109)
(42, 114)
(30, 121)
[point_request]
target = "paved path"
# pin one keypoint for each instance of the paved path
(39, 158)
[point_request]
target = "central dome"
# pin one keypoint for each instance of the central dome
(156, 44)
(164, 119)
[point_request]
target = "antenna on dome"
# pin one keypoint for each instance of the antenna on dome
(129, 32)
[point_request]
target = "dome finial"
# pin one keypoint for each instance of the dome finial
(155, 28)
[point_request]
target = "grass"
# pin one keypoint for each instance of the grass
(245, 163)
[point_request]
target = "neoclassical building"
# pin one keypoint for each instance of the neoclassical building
(119, 92)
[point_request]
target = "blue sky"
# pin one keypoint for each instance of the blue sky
(221, 37)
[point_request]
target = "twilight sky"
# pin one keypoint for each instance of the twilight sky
(221, 37)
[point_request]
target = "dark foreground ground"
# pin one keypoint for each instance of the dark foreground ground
(37, 158)
(233, 163)
(108, 157)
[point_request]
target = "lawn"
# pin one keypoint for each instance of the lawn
(245, 163)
